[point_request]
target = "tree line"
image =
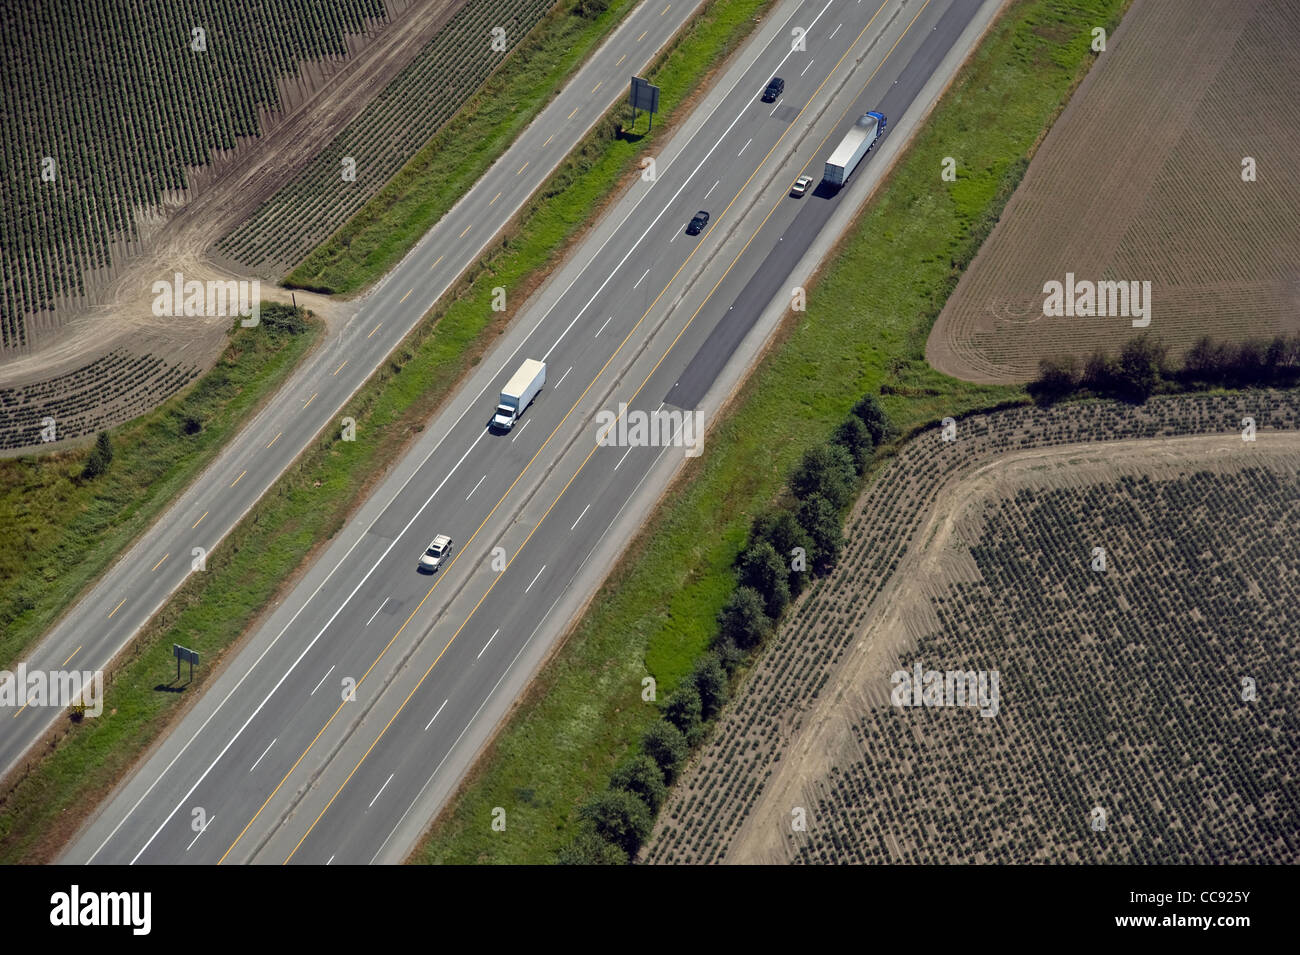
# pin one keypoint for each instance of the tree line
(801, 536)
(1144, 367)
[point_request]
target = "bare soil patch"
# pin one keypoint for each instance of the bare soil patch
(1141, 180)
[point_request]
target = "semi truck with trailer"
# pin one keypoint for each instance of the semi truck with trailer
(519, 393)
(853, 148)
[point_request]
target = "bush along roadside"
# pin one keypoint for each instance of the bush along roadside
(800, 537)
(311, 502)
(869, 313)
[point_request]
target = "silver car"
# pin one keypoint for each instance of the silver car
(439, 550)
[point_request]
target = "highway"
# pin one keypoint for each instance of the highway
(105, 620)
(350, 715)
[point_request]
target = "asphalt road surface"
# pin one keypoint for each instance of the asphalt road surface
(109, 616)
(348, 718)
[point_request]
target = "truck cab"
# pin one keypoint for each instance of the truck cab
(518, 394)
(504, 419)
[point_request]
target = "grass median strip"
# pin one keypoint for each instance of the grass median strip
(67, 533)
(374, 240)
(46, 800)
(867, 318)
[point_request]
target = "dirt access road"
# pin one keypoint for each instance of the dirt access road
(177, 236)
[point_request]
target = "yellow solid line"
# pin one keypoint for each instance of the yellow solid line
(574, 477)
(159, 564)
(311, 399)
(455, 558)
(116, 609)
(273, 440)
(74, 653)
(375, 329)
(406, 296)
(238, 479)
(508, 491)
(205, 514)
(464, 549)
(495, 198)
(337, 370)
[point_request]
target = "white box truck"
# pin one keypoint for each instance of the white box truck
(519, 393)
(853, 148)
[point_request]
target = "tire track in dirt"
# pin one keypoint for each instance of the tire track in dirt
(177, 235)
(900, 614)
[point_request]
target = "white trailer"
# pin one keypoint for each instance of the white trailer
(853, 148)
(519, 393)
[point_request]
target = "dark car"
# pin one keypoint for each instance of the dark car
(774, 89)
(698, 223)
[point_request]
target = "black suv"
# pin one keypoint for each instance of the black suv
(698, 223)
(774, 89)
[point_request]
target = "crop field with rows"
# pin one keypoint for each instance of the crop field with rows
(113, 388)
(1172, 165)
(1119, 690)
(391, 129)
(1134, 706)
(100, 122)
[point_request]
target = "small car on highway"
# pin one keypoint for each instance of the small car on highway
(801, 186)
(698, 223)
(439, 550)
(774, 89)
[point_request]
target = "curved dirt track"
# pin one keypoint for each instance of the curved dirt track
(177, 236)
(929, 566)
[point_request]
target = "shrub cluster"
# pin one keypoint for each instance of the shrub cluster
(1142, 368)
(101, 456)
(279, 317)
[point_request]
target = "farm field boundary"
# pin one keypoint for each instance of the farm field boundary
(46, 503)
(333, 237)
(44, 803)
(298, 148)
(1169, 167)
(820, 696)
(91, 143)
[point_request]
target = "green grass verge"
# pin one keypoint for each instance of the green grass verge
(864, 330)
(311, 502)
(369, 244)
(62, 533)
(65, 533)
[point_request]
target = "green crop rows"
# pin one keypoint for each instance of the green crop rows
(113, 94)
